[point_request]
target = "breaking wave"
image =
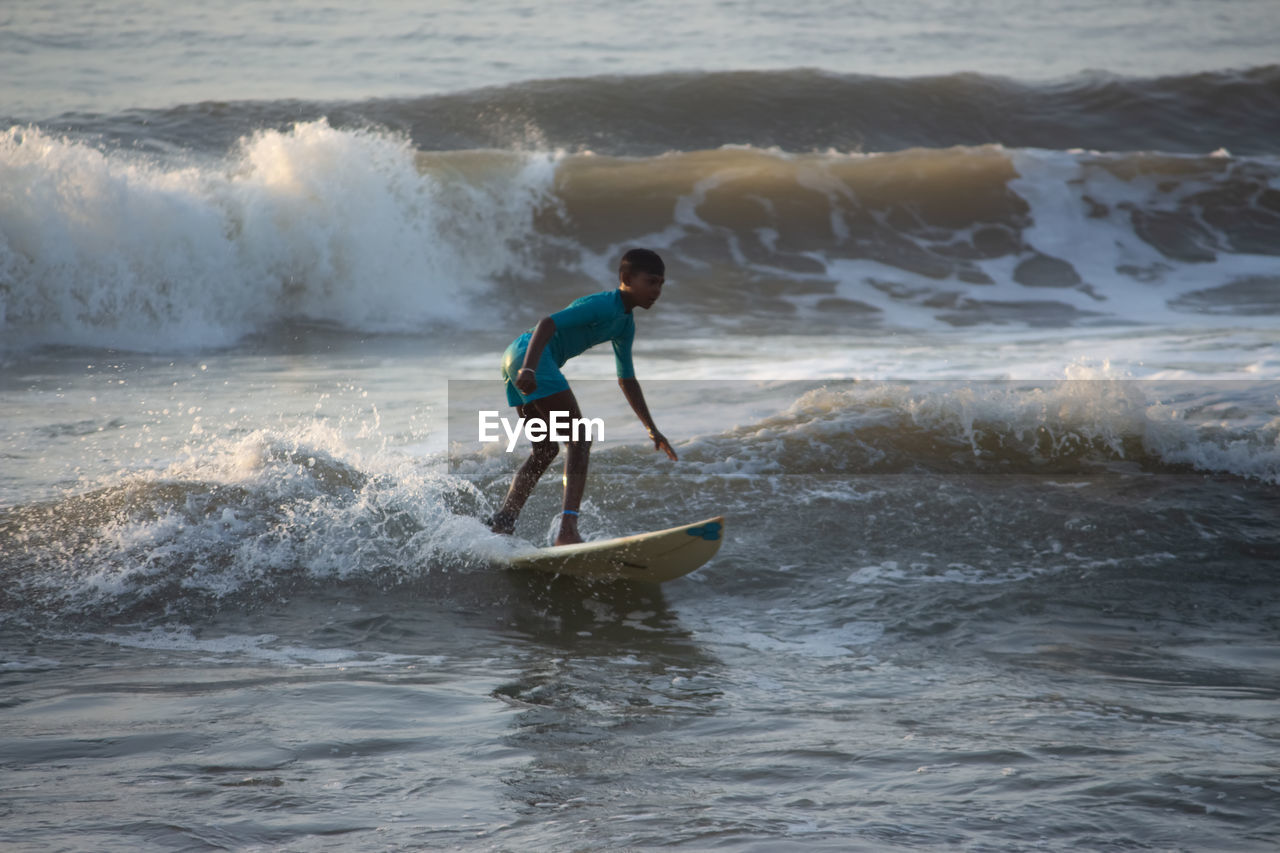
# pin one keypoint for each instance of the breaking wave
(357, 229)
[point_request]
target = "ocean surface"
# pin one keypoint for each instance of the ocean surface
(970, 331)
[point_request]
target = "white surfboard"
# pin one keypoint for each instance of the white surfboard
(659, 556)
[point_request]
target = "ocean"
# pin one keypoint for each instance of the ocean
(969, 331)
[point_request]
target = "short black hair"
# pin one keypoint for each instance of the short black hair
(642, 260)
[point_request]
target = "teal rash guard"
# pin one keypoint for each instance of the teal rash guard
(586, 322)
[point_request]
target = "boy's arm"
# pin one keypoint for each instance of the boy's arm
(526, 382)
(580, 313)
(631, 390)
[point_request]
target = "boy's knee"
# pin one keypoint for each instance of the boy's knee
(546, 450)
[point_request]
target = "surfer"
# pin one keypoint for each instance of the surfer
(536, 387)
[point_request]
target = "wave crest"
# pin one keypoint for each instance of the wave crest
(239, 519)
(357, 229)
(314, 224)
(1070, 427)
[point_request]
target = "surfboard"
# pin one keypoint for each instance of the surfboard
(659, 556)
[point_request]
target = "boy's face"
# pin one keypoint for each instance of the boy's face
(645, 287)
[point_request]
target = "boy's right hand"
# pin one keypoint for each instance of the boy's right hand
(660, 443)
(526, 381)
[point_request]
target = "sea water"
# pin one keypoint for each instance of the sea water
(969, 331)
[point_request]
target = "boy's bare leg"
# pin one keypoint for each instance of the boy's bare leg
(527, 476)
(575, 481)
(575, 473)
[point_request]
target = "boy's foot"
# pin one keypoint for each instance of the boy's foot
(501, 522)
(568, 530)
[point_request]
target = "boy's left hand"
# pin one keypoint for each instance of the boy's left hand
(526, 381)
(660, 443)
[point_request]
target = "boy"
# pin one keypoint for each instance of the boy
(536, 387)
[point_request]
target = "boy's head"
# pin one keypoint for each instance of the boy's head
(641, 260)
(641, 275)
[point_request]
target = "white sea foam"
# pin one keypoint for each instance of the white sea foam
(1065, 190)
(355, 228)
(247, 513)
(1093, 412)
(338, 226)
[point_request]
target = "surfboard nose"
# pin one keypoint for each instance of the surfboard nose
(709, 530)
